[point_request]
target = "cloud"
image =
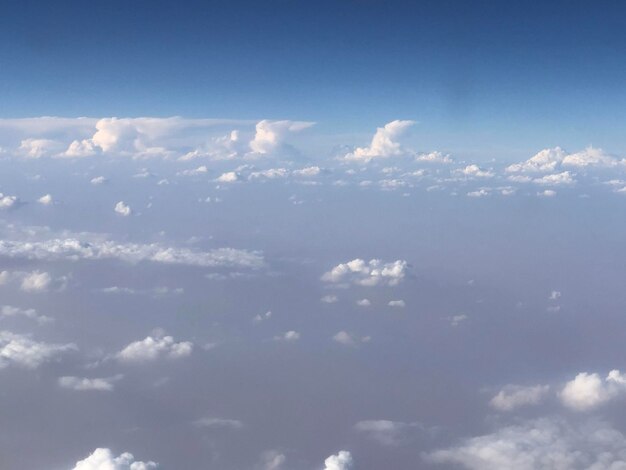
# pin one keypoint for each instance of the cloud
(329, 299)
(345, 338)
(397, 303)
(548, 160)
(104, 459)
(36, 281)
(123, 209)
(386, 432)
(474, 171)
(98, 180)
(22, 351)
(371, 273)
(587, 391)
(556, 179)
(289, 336)
(384, 143)
(7, 202)
(544, 161)
(270, 135)
(514, 396)
(537, 444)
(38, 148)
(154, 348)
(10, 311)
(228, 177)
(84, 384)
(340, 461)
(363, 302)
(590, 157)
(272, 460)
(93, 247)
(219, 423)
(46, 200)
(434, 157)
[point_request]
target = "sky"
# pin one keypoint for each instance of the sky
(348, 235)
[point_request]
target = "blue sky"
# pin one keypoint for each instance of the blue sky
(518, 71)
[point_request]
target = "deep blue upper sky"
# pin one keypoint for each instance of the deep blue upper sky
(548, 68)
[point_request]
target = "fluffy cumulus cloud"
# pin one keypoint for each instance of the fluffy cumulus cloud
(542, 443)
(270, 135)
(367, 273)
(7, 202)
(22, 351)
(515, 396)
(474, 171)
(384, 144)
(340, 461)
(587, 391)
(11, 311)
(105, 459)
(82, 384)
(549, 160)
(37, 281)
(154, 348)
(93, 247)
(123, 209)
(386, 432)
(272, 460)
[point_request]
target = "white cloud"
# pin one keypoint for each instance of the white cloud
(10, 311)
(93, 247)
(272, 460)
(544, 161)
(549, 160)
(201, 170)
(80, 149)
(547, 193)
(46, 200)
(340, 461)
(371, 273)
(456, 320)
(482, 192)
(289, 336)
(384, 143)
(258, 318)
(587, 391)
(345, 338)
(309, 171)
(6, 202)
(515, 396)
(98, 180)
(384, 431)
(270, 135)
(218, 423)
(37, 281)
(474, 171)
(123, 209)
(363, 302)
(228, 177)
(397, 303)
(540, 444)
(590, 157)
(154, 348)
(329, 299)
(556, 179)
(104, 459)
(85, 384)
(22, 351)
(38, 148)
(434, 157)
(272, 173)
